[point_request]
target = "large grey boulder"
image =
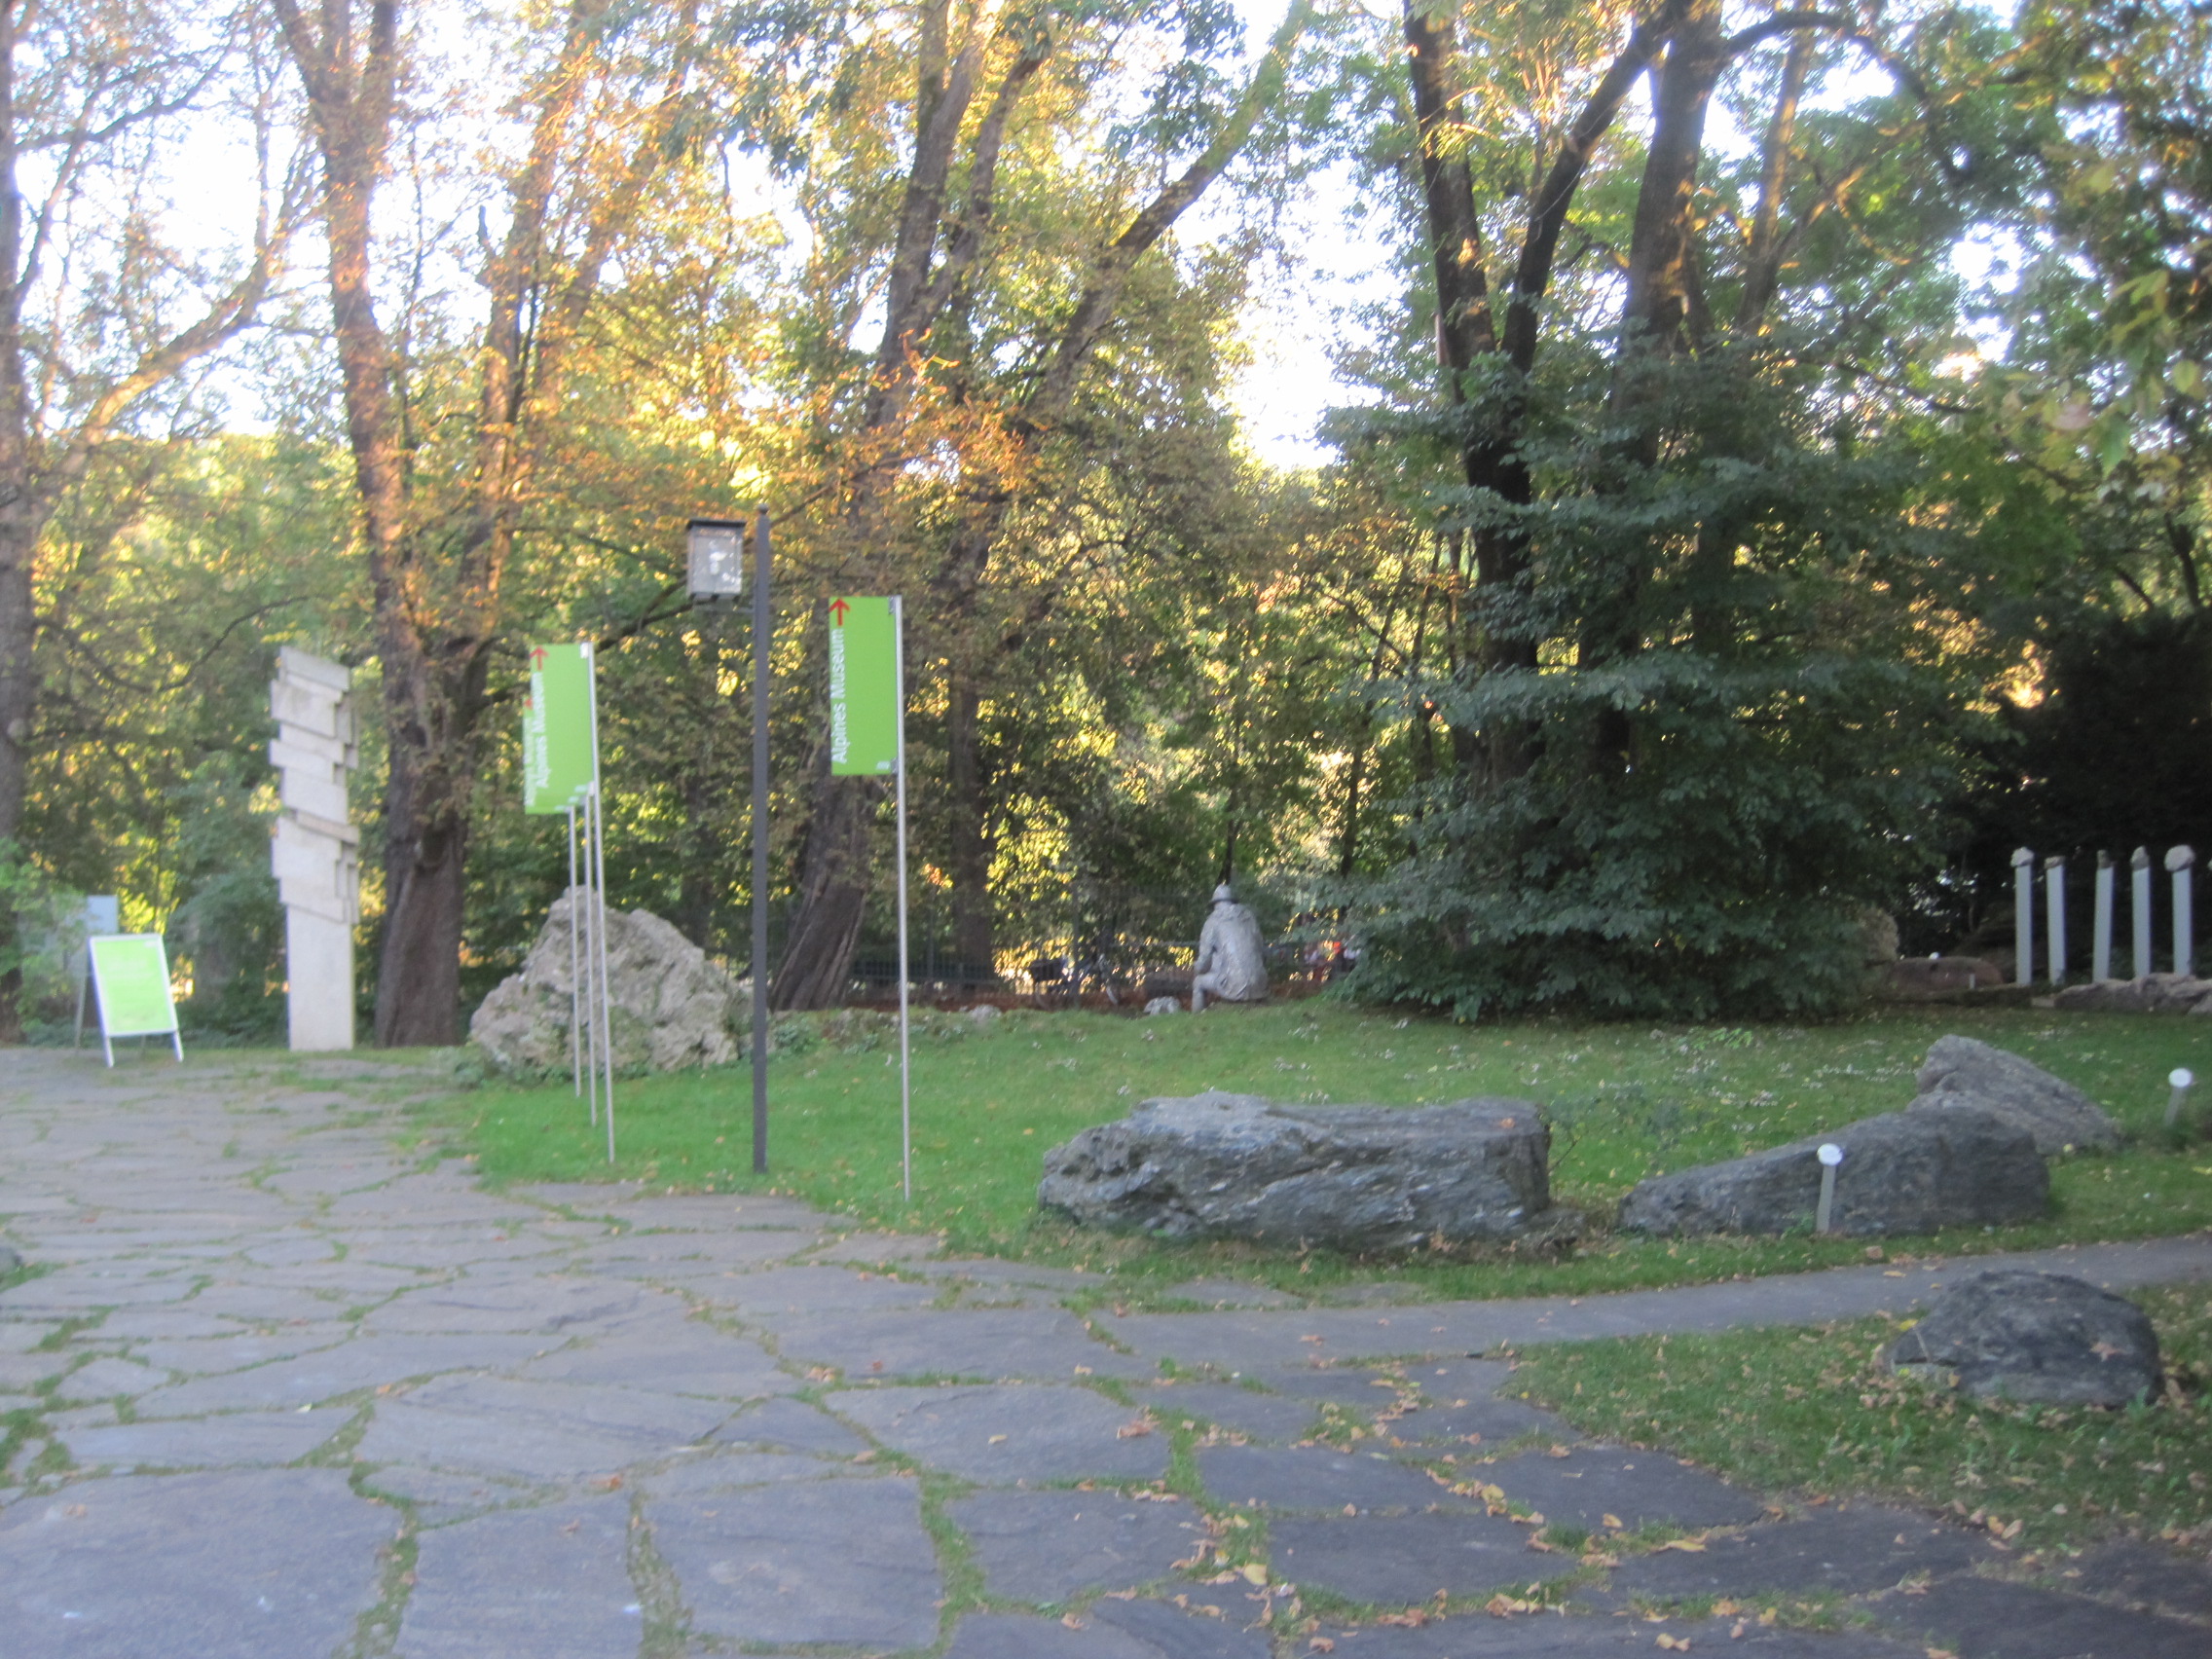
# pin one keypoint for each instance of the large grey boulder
(668, 1005)
(2033, 1337)
(1358, 1178)
(1961, 1072)
(1901, 1172)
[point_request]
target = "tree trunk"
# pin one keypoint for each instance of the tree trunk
(969, 813)
(1765, 252)
(817, 965)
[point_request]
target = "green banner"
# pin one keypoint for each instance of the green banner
(131, 973)
(556, 728)
(863, 687)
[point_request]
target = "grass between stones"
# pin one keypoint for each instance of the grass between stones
(1625, 1102)
(1812, 1414)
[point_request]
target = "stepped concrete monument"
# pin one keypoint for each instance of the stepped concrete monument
(315, 848)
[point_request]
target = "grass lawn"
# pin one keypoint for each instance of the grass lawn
(1809, 1412)
(1625, 1101)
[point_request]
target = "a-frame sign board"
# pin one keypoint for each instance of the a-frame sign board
(130, 986)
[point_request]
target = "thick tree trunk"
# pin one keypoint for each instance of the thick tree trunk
(426, 857)
(968, 823)
(817, 966)
(432, 727)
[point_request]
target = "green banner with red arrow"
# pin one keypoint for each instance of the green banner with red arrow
(863, 687)
(557, 759)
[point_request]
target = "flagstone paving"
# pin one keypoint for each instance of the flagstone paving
(282, 1389)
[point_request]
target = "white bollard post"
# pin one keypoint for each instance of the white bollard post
(2179, 860)
(2023, 916)
(1830, 1155)
(2178, 1082)
(2100, 947)
(2054, 917)
(2140, 872)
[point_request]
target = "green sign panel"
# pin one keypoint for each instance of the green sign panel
(131, 973)
(863, 687)
(557, 755)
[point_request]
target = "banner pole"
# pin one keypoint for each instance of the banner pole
(598, 907)
(762, 627)
(597, 808)
(905, 1055)
(576, 985)
(587, 836)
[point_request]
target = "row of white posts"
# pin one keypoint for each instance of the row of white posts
(2179, 865)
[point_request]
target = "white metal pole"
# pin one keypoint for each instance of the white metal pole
(576, 985)
(2100, 948)
(587, 835)
(2179, 860)
(905, 1055)
(2054, 915)
(2023, 916)
(598, 907)
(2140, 916)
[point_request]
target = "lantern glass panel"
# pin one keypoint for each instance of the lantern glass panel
(718, 558)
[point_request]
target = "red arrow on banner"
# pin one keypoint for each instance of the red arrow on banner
(538, 655)
(837, 609)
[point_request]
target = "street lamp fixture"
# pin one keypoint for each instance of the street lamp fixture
(716, 562)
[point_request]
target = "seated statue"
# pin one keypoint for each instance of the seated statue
(1233, 960)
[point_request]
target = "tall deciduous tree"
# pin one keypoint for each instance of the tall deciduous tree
(445, 451)
(101, 311)
(929, 346)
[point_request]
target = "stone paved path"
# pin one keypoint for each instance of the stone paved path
(290, 1395)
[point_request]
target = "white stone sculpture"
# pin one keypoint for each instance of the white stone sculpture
(1232, 958)
(313, 848)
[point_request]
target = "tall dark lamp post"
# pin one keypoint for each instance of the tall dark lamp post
(715, 549)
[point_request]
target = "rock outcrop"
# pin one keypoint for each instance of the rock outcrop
(1962, 1073)
(2034, 1337)
(1901, 1172)
(1357, 1178)
(668, 1005)
(2153, 993)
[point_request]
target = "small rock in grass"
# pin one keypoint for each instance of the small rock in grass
(1163, 1005)
(10, 1262)
(1961, 1072)
(2041, 1338)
